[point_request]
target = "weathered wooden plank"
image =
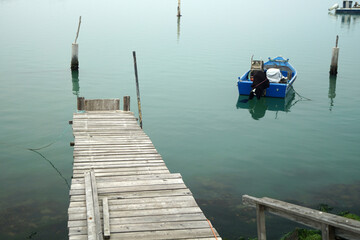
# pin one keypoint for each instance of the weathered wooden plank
(106, 218)
(99, 232)
(100, 179)
(149, 227)
(90, 212)
(123, 169)
(132, 189)
(121, 184)
(134, 195)
(144, 212)
(126, 173)
(134, 201)
(109, 160)
(161, 235)
(117, 165)
(147, 219)
(143, 206)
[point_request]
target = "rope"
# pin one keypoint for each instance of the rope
(48, 145)
(302, 97)
(212, 229)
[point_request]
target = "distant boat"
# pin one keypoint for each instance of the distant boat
(279, 72)
(347, 8)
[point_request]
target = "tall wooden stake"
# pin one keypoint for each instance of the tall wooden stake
(137, 89)
(178, 8)
(75, 51)
(334, 58)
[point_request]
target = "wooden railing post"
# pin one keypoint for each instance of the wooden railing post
(80, 103)
(327, 232)
(126, 103)
(260, 217)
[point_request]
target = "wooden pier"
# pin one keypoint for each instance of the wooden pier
(121, 187)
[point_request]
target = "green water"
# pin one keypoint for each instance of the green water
(296, 150)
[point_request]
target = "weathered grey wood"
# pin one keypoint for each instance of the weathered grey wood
(338, 226)
(126, 103)
(327, 232)
(260, 217)
(102, 104)
(138, 201)
(187, 234)
(131, 189)
(99, 232)
(80, 103)
(188, 225)
(334, 58)
(144, 206)
(106, 218)
(144, 212)
(146, 219)
(133, 195)
(90, 212)
(137, 89)
(139, 198)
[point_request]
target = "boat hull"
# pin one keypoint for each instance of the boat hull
(347, 11)
(277, 90)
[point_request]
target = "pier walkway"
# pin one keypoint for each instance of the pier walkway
(121, 187)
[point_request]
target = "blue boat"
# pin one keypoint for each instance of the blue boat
(279, 84)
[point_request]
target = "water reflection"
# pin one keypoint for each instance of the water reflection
(75, 83)
(178, 28)
(347, 20)
(332, 91)
(258, 108)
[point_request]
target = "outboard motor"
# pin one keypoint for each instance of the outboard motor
(256, 65)
(335, 6)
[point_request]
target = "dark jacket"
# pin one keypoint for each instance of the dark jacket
(259, 85)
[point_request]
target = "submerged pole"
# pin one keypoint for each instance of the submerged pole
(178, 9)
(334, 58)
(75, 51)
(137, 89)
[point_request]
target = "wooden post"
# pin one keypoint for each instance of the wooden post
(334, 58)
(126, 103)
(137, 89)
(178, 9)
(75, 51)
(327, 232)
(80, 103)
(260, 216)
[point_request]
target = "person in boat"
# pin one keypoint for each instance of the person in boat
(259, 86)
(356, 5)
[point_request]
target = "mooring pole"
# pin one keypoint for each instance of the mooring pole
(137, 89)
(334, 58)
(178, 8)
(75, 51)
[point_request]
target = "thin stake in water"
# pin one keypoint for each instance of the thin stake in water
(137, 89)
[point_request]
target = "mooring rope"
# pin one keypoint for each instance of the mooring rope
(302, 97)
(212, 229)
(48, 145)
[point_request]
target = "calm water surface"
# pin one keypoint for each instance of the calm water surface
(296, 150)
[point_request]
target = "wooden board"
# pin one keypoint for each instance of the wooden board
(137, 196)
